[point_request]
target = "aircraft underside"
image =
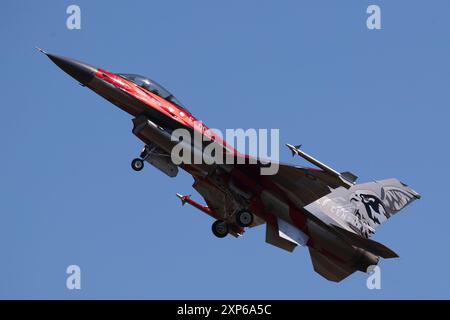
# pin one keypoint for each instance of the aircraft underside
(323, 209)
(228, 201)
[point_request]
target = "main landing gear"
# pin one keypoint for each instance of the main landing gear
(220, 229)
(244, 218)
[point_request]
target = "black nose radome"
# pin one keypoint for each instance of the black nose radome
(82, 72)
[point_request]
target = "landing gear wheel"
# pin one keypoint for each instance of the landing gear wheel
(220, 229)
(244, 218)
(137, 164)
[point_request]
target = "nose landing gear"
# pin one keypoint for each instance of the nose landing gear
(137, 164)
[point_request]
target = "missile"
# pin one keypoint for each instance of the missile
(347, 178)
(205, 209)
(182, 198)
(296, 151)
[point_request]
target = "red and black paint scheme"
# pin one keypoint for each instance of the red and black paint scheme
(319, 208)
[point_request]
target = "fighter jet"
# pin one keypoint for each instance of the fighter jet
(319, 208)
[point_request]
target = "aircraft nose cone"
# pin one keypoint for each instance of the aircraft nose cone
(82, 72)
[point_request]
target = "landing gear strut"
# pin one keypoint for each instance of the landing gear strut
(244, 218)
(220, 229)
(138, 163)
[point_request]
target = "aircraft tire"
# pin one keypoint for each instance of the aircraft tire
(244, 218)
(220, 228)
(137, 164)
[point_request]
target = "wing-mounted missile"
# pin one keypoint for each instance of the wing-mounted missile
(347, 179)
(205, 209)
(183, 198)
(349, 176)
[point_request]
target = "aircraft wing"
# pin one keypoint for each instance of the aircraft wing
(302, 185)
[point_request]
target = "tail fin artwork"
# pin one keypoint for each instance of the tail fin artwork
(363, 207)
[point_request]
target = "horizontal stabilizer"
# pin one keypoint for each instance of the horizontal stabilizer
(366, 244)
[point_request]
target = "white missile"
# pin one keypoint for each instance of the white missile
(347, 178)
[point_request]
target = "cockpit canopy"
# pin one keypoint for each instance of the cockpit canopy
(152, 86)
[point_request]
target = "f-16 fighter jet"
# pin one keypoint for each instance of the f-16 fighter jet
(320, 208)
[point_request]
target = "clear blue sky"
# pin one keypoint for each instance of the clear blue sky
(373, 102)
